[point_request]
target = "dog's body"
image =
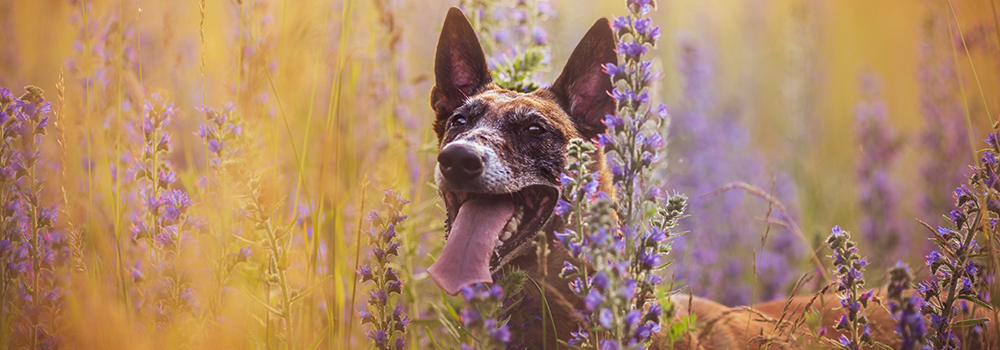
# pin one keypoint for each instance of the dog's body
(501, 154)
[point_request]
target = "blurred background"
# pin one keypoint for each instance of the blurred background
(863, 114)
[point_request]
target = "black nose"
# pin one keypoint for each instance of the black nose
(460, 163)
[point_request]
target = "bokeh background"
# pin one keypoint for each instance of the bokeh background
(863, 114)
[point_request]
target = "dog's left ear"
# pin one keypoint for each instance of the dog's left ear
(460, 68)
(583, 88)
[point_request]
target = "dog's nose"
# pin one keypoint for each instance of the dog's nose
(460, 163)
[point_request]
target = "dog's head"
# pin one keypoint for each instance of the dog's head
(501, 152)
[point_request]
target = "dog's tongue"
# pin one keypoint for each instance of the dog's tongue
(466, 255)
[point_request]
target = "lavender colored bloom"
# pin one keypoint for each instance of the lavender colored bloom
(221, 133)
(632, 49)
(244, 254)
(377, 336)
(215, 146)
(30, 246)
(624, 253)
(471, 317)
(561, 207)
(592, 300)
(944, 139)
(608, 344)
(606, 318)
(881, 225)
(850, 282)
(621, 23)
(386, 283)
(956, 276)
(710, 148)
(480, 314)
(498, 332)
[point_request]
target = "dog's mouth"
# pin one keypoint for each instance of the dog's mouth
(486, 231)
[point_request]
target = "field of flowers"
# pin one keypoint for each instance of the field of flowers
(260, 173)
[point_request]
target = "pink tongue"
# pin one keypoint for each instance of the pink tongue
(466, 255)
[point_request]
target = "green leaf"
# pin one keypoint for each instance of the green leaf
(970, 322)
(264, 304)
(309, 290)
(315, 343)
(977, 302)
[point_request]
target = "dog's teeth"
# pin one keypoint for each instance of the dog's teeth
(512, 225)
(498, 245)
(506, 235)
(519, 214)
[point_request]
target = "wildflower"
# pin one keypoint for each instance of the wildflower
(622, 254)
(881, 225)
(956, 277)
(244, 254)
(482, 302)
(222, 133)
(518, 46)
(849, 268)
(943, 140)
(499, 332)
(713, 148)
(386, 325)
(29, 242)
(162, 223)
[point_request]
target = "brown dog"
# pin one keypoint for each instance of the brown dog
(500, 156)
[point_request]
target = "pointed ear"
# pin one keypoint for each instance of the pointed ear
(460, 67)
(583, 89)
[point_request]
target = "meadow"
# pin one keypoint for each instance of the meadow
(229, 174)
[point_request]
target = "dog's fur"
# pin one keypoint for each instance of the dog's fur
(516, 144)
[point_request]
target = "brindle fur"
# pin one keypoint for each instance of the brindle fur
(574, 106)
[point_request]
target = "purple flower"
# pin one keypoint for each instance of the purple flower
(501, 333)
(471, 317)
(606, 318)
(579, 337)
(565, 179)
(632, 49)
(147, 126)
(633, 317)
(654, 142)
(177, 198)
(378, 336)
(592, 300)
(167, 177)
(539, 36)
(385, 280)
(47, 217)
(620, 24)
(215, 146)
(496, 292)
(365, 316)
(604, 140)
(933, 258)
(562, 207)
(164, 239)
(244, 254)
(612, 70)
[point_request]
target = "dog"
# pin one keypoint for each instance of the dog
(500, 156)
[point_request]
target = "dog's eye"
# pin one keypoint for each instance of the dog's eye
(458, 120)
(535, 129)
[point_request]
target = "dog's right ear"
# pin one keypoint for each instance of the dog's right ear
(582, 88)
(460, 68)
